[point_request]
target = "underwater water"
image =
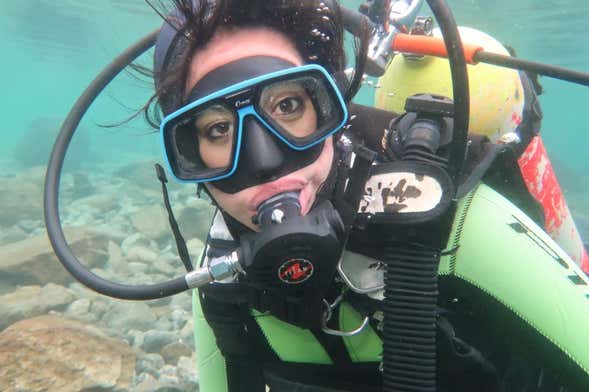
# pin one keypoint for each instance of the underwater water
(53, 49)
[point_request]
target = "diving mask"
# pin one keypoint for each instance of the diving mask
(276, 117)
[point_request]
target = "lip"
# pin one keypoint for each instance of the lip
(274, 188)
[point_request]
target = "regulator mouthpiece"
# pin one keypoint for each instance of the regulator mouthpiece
(278, 209)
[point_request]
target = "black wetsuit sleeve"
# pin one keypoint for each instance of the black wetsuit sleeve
(243, 364)
(522, 358)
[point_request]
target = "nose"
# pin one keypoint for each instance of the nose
(262, 154)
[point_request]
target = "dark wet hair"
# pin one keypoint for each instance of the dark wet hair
(314, 26)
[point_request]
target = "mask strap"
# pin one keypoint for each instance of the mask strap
(180, 243)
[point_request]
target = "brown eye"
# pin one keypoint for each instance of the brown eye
(218, 130)
(288, 106)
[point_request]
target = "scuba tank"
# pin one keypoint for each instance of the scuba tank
(505, 111)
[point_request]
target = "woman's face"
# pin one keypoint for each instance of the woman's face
(229, 46)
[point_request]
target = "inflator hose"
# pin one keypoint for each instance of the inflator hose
(51, 195)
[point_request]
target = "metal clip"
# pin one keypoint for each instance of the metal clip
(327, 316)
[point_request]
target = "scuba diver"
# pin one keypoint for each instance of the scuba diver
(353, 248)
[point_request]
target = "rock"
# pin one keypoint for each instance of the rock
(32, 261)
(31, 301)
(187, 333)
(154, 341)
(10, 234)
(129, 315)
(100, 202)
(30, 225)
(145, 382)
(163, 324)
(150, 363)
(159, 301)
(182, 301)
(36, 174)
(99, 307)
(20, 199)
(135, 338)
(188, 372)
(116, 259)
(82, 186)
(178, 318)
(135, 240)
(173, 351)
(6, 288)
(135, 267)
(195, 222)
(48, 353)
(80, 310)
(168, 269)
(195, 248)
(141, 254)
(168, 375)
(36, 141)
(141, 174)
(152, 221)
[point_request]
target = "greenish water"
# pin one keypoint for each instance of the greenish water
(52, 50)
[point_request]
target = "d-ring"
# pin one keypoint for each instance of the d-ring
(337, 332)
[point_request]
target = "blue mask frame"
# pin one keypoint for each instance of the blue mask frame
(182, 172)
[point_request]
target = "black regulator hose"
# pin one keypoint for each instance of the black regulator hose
(460, 88)
(531, 66)
(51, 195)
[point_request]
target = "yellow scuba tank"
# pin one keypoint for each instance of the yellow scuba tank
(498, 100)
(496, 93)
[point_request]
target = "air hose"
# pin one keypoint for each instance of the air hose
(51, 196)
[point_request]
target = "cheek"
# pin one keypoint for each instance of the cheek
(234, 204)
(213, 156)
(318, 171)
(310, 119)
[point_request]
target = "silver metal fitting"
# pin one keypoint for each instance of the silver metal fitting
(225, 266)
(423, 25)
(198, 278)
(277, 215)
(219, 268)
(380, 52)
(509, 138)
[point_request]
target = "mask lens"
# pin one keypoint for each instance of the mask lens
(203, 142)
(214, 130)
(301, 109)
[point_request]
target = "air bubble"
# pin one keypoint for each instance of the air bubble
(315, 33)
(313, 58)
